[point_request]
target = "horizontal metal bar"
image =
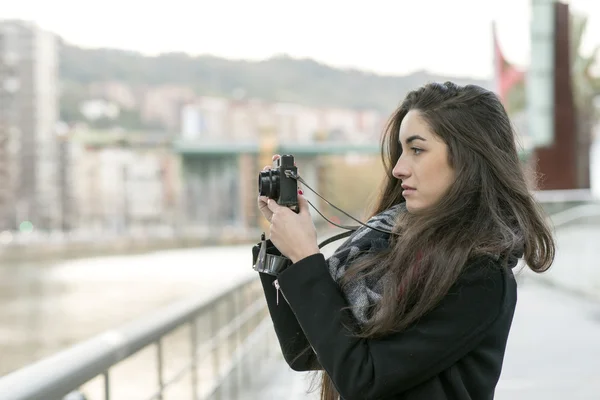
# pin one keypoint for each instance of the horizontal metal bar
(577, 213)
(564, 196)
(57, 375)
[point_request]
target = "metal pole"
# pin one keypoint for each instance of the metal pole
(106, 385)
(159, 361)
(233, 342)
(246, 329)
(216, 359)
(194, 350)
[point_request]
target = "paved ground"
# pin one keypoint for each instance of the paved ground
(554, 349)
(553, 352)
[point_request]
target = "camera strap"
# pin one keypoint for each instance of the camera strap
(335, 237)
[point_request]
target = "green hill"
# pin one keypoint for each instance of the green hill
(280, 78)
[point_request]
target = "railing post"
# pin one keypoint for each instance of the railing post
(194, 350)
(246, 298)
(214, 329)
(264, 356)
(232, 341)
(106, 385)
(159, 361)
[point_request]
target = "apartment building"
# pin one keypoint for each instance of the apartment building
(29, 111)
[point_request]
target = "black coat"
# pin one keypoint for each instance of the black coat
(454, 352)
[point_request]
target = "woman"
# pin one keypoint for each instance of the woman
(423, 313)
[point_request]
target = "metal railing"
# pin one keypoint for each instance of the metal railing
(227, 335)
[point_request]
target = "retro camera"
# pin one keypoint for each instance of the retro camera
(278, 183)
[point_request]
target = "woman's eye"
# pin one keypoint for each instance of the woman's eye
(416, 150)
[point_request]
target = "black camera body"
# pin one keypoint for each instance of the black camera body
(277, 185)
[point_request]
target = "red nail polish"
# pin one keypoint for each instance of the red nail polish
(300, 191)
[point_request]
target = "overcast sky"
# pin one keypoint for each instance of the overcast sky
(385, 36)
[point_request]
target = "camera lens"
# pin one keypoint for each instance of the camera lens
(268, 184)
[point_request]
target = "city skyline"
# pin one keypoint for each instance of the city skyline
(382, 38)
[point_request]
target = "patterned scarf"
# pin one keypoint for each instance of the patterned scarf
(365, 292)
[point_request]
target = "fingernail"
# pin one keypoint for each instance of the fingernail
(300, 191)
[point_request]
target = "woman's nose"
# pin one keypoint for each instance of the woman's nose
(400, 170)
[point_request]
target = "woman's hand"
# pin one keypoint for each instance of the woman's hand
(293, 234)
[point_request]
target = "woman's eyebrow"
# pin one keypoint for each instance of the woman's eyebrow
(413, 138)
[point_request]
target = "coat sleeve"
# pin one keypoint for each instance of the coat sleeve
(296, 349)
(376, 368)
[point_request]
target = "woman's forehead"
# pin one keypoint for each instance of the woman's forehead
(414, 125)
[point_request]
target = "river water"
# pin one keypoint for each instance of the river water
(46, 307)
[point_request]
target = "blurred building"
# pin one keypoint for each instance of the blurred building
(162, 105)
(68, 153)
(120, 188)
(296, 123)
(30, 111)
(244, 120)
(205, 118)
(119, 93)
(8, 167)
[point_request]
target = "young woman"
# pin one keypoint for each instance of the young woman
(424, 312)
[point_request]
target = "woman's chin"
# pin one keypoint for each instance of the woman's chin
(413, 206)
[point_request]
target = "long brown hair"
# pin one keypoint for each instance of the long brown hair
(488, 209)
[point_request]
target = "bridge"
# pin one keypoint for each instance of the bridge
(227, 171)
(220, 344)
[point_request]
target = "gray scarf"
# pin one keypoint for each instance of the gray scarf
(365, 292)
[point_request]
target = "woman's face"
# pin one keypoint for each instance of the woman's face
(423, 168)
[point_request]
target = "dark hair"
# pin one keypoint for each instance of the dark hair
(488, 210)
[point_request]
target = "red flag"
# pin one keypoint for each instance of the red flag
(506, 76)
